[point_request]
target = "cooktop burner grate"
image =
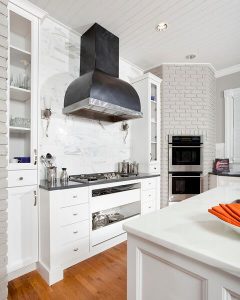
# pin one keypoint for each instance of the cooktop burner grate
(84, 178)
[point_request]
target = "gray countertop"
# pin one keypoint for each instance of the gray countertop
(72, 184)
(231, 174)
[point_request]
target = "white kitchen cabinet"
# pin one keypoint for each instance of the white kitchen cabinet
(67, 234)
(23, 112)
(23, 85)
(232, 125)
(64, 231)
(22, 227)
(216, 181)
(150, 195)
(146, 131)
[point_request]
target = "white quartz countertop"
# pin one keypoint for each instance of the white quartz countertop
(189, 229)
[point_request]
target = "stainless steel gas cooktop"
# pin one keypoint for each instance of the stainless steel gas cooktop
(98, 177)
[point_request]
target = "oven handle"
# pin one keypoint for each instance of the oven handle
(171, 146)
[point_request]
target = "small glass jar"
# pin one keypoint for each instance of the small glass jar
(64, 176)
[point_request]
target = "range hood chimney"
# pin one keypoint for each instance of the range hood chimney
(98, 93)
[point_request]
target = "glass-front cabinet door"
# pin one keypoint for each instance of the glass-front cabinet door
(22, 89)
(154, 120)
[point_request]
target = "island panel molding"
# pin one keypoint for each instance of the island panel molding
(186, 238)
(186, 284)
(155, 270)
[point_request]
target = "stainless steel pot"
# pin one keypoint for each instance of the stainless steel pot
(99, 220)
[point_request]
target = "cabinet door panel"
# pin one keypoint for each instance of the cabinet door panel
(22, 227)
(228, 181)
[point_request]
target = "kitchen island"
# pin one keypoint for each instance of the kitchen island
(184, 253)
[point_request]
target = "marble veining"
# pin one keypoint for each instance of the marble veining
(80, 145)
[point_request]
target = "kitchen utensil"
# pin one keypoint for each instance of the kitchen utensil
(115, 217)
(51, 174)
(125, 167)
(134, 168)
(64, 176)
(50, 159)
(100, 220)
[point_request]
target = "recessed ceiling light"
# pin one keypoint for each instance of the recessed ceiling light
(190, 56)
(162, 26)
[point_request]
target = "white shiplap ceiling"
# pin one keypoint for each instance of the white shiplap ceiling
(207, 28)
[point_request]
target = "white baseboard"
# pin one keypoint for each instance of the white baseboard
(52, 276)
(20, 272)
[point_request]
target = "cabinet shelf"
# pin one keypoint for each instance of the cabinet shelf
(19, 129)
(19, 57)
(19, 94)
(16, 49)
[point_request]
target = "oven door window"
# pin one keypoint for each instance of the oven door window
(185, 185)
(186, 156)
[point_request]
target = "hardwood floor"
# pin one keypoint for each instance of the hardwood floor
(103, 276)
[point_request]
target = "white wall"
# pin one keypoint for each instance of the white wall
(188, 106)
(80, 145)
(3, 146)
(231, 81)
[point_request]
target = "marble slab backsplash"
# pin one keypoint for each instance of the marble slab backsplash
(80, 145)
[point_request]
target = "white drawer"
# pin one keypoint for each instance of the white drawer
(73, 251)
(149, 183)
(113, 200)
(73, 214)
(106, 233)
(74, 196)
(154, 168)
(73, 232)
(149, 195)
(22, 178)
(148, 207)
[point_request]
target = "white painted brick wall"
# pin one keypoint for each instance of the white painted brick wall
(3, 147)
(187, 107)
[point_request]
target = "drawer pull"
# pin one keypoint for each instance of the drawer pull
(155, 168)
(75, 196)
(149, 195)
(149, 206)
(75, 214)
(149, 183)
(75, 231)
(75, 249)
(20, 178)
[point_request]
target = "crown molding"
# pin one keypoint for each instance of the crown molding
(130, 63)
(227, 71)
(30, 7)
(184, 63)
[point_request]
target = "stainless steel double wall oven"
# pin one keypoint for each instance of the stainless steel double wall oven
(185, 166)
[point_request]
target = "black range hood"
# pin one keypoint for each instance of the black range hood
(98, 93)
